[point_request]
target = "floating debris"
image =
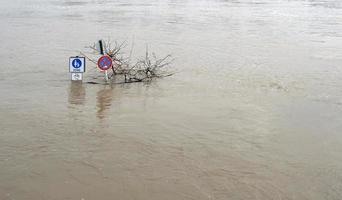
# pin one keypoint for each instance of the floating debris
(121, 69)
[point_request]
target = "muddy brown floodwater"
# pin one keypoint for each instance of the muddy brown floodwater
(254, 112)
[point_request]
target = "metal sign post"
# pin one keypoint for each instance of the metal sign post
(103, 63)
(106, 76)
(101, 47)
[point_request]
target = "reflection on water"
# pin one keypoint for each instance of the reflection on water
(104, 99)
(77, 93)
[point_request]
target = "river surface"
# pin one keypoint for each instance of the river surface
(253, 112)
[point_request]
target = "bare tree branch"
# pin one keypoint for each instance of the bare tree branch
(143, 70)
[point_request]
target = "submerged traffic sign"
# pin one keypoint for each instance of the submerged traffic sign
(105, 62)
(77, 64)
(76, 76)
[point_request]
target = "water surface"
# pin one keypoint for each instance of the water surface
(254, 112)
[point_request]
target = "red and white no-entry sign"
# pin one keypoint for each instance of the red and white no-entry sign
(104, 63)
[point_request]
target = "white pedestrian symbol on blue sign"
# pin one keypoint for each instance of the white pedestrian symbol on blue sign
(77, 63)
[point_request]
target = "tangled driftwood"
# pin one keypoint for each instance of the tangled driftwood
(124, 72)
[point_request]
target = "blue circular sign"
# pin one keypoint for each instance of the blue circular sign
(76, 63)
(105, 62)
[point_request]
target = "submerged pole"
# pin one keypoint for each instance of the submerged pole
(102, 51)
